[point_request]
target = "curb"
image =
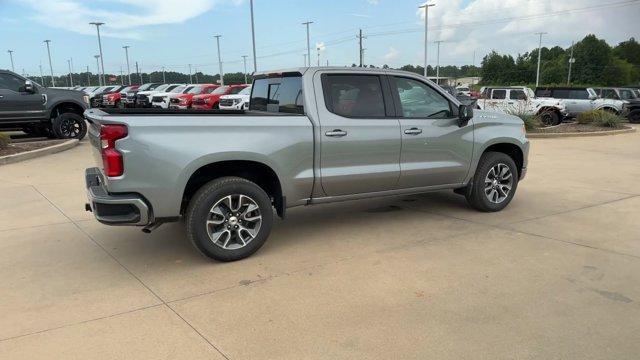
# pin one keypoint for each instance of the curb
(10, 159)
(580, 134)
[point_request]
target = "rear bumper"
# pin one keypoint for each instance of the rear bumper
(115, 209)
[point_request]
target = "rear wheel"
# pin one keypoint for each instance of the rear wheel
(69, 126)
(494, 183)
(229, 219)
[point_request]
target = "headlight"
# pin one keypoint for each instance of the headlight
(85, 98)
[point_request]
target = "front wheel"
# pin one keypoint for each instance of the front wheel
(229, 219)
(634, 116)
(494, 182)
(69, 126)
(550, 118)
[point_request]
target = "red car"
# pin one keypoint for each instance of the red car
(113, 99)
(212, 100)
(183, 101)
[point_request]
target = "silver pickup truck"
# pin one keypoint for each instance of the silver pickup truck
(310, 136)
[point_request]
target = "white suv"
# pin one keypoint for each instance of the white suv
(162, 99)
(522, 100)
(239, 101)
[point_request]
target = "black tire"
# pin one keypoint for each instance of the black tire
(634, 116)
(475, 194)
(200, 211)
(69, 126)
(550, 118)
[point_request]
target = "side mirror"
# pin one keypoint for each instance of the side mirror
(29, 87)
(592, 97)
(465, 113)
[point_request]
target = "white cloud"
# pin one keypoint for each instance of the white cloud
(373, 2)
(74, 15)
(392, 55)
(508, 26)
(320, 46)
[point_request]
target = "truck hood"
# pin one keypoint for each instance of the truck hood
(488, 116)
(236, 96)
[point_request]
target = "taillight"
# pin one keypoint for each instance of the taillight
(111, 158)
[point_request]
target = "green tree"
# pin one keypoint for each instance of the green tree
(628, 50)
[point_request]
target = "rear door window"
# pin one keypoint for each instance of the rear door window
(278, 94)
(356, 96)
(499, 94)
(517, 95)
(578, 94)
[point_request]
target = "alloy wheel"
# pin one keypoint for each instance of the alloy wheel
(498, 183)
(70, 128)
(234, 221)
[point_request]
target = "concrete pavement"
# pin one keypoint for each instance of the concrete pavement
(555, 275)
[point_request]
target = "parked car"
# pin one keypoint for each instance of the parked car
(465, 99)
(580, 99)
(212, 100)
(184, 100)
(89, 89)
(631, 106)
(239, 101)
(465, 90)
(95, 97)
(310, 136)
(522, 100)
(130, 96)
(115, 98)
(161, 100)
(143, 98)
(34, 109)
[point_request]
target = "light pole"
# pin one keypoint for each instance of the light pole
(98, 66)
(426, 38)
(126, 53)
(308, 44)
(253, 39)
(53, 82)
(244, 59)
(318, 49)
(11, 56)
(304, 56)
(164, 78)
(98, 24)
(219, 59)
(539, 54)
(438, 60)
(88, 76)
(190, 82)
(70, 75)
(571, 61)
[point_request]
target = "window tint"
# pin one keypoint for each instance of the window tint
(517, 95)
(354, 95)
(578, 94)
(235, 89)
(220, 90)
(626, 94)
(543, 93)
(10, 82)
(609, 94)
(419, 100)
(282, 94)
(499, 94)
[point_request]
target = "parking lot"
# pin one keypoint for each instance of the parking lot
(554, 275)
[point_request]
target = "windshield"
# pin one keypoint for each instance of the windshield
(178, 89)
(147, 87)
(187, 89)
(210, 90)
(245, 91)
(161, 87)
(221, 90)
(195, 90)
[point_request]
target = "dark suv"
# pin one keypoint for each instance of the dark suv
(34, 109)
(628, 95)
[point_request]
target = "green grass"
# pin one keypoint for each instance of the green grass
(4, 140)
(600, 118)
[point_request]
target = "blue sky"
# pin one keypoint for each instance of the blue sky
(174, 33)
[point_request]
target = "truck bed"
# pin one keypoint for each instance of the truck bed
(165, 112)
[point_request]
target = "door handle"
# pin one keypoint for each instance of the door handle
(413, 131)
(336, 133)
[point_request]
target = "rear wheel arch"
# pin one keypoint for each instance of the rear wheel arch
(66, 106)
(259, 173)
